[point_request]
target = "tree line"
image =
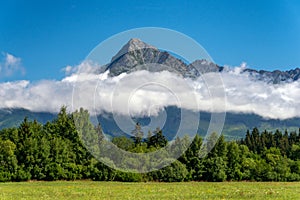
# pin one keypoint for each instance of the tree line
(55, 151)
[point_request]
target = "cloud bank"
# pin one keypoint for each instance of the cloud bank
(146, 93)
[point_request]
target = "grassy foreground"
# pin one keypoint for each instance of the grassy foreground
(116, 190)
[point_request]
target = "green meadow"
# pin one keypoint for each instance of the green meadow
(150, 190)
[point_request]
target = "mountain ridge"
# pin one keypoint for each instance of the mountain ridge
(137, 55)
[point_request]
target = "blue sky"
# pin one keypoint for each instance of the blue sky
(45, 37)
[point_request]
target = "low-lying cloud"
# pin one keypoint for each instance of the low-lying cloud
(146, 93)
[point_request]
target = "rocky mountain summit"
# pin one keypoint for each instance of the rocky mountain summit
(137, 55)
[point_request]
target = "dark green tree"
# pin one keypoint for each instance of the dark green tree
(8, 160)
(233, 162)
(157, 140)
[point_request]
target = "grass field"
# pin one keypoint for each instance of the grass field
(116, 190)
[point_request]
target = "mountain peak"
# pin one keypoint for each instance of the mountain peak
(136, 43)
(132, 45)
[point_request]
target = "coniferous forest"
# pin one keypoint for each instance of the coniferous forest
(54, 151)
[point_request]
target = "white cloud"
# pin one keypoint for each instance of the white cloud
(44, 95)
(86, 67)
(68, 70)
(268, 100)
(145, 93)
(10, 65)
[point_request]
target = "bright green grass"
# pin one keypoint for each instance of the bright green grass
(116, 190)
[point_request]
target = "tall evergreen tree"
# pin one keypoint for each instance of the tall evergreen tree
(137, 134)
(157, 140)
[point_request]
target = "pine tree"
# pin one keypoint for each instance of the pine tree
(137, 134)
(157, 140)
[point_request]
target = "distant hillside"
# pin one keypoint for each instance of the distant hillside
(235, 125)
(13, 117)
